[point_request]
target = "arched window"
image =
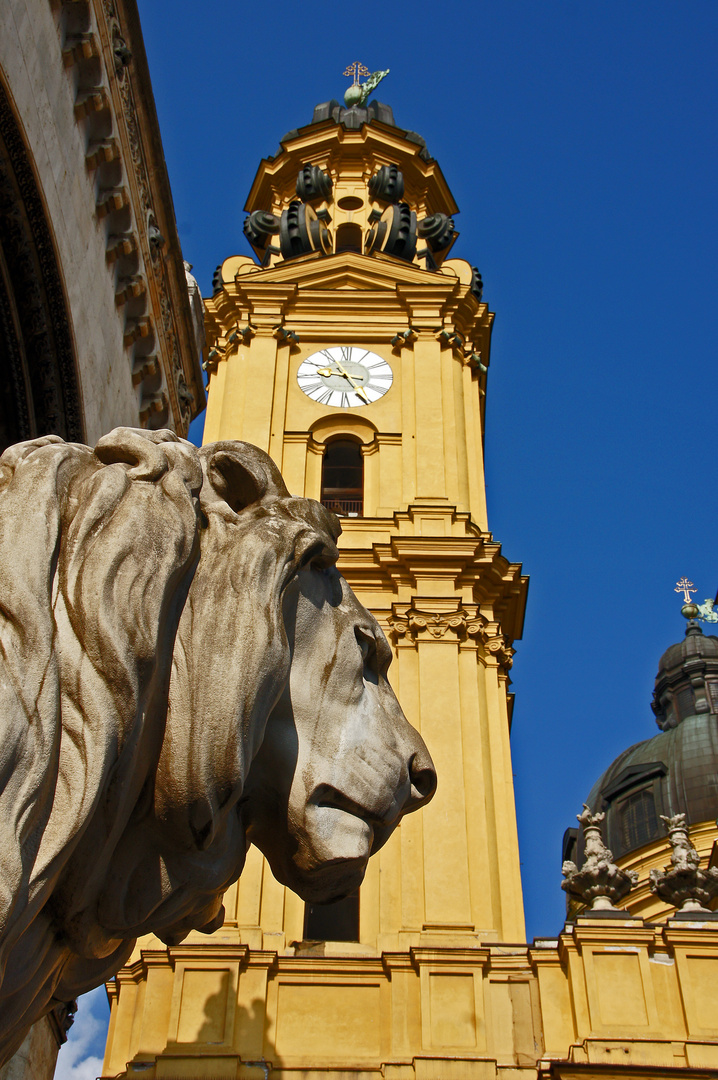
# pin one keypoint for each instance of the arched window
(349, 238)
(343, 478)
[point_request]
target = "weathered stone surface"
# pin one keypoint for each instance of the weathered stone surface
(36, 1057)
(599, 882)
(683, 883)
(163, 608)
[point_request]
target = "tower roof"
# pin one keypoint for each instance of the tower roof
(693, 658)
(354, 118)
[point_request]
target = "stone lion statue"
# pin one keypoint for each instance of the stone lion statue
(183, 672)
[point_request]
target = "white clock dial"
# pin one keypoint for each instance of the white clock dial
(344, 377)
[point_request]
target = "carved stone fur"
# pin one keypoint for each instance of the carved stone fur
(155, 601)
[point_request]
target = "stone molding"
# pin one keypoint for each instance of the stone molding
(472, 560)
(115, 111)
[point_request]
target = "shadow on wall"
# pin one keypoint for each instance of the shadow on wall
(222, 1026)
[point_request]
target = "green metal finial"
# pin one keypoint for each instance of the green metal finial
(358, 93)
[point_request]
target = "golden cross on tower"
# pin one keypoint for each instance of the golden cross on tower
(686, 587)
(355, 71)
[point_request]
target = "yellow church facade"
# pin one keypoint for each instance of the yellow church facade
(354, 348)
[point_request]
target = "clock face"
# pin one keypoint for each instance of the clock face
(345, 377)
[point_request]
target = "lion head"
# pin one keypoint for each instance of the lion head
(171, 623)
(339, 764)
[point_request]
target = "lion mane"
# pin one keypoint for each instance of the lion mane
(139, 583)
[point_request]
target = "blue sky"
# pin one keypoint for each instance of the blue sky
(579, 140)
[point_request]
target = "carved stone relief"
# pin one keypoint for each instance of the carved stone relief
(412, 623)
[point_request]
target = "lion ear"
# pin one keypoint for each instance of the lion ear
(237, 475)
(142, 450)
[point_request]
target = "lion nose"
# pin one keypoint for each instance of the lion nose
(422, 776)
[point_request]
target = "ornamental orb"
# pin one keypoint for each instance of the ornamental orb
(353, 95)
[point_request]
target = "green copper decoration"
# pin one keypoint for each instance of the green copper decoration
(358, 93)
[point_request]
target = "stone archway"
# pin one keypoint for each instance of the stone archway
(39, 386)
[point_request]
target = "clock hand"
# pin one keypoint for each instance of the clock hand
(357, 388)
(326, 372)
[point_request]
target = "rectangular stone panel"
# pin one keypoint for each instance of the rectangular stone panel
(453, 1010)
(203, 1011)
(704, 984)
(337, 1022)
(619, 985)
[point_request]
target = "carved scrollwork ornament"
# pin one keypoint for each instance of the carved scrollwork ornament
(387, 184)
(498, 647)
(437, 230)
(184, 395)
(449, 338)
(301, 232)
(156, 240)
(476, 286)
(259, 226)
(213, 358)
(473, 360)
(313, 185)
(394, 234)
(403, 338)
(414, 623)
(243, 334)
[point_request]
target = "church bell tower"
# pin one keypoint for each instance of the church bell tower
(354, 348)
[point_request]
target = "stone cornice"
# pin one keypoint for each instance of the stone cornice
(373, 144)
(266, 302)
(361, 297)
(426, 303)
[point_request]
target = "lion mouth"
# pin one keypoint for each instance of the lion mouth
(325, 796)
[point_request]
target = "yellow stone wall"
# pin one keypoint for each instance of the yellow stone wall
(606, 995)
(432, 990)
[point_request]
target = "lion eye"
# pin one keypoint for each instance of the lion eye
(367, 644)
(316, 557)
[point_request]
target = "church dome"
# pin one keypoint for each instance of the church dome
(677, 770)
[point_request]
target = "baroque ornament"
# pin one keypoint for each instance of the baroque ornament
(599, 883)
(143, 749)
(684, 884)
(414, 623)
